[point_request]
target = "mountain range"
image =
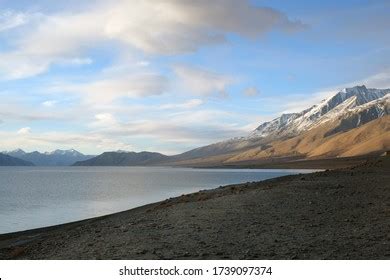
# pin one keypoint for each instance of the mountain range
(55, 158)
(122, 158)
(6, 160)
(352, 122)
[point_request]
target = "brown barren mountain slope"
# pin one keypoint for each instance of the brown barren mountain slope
(373, 137)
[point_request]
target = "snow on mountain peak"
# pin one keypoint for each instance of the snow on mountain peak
(20, 151)
(70, 152)
(328, 109)
(15, 153)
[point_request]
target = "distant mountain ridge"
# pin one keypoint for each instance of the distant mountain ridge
(122, 158)
(55, 158)
(6, 160)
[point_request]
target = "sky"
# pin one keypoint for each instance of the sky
(172, 75)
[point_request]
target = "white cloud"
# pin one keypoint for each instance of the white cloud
(177, 26)
(189, 128)
(49, 103)
(24, 131)
(106, 90)
(104, 120)
(186, 105)
(10, 19)
(165, 132)
(17, 65)
(23, 112)
(251, 92)
(143, 63)
(152, 26)
(76, 61)
(201, 81)
(379, 80)
(113, 85)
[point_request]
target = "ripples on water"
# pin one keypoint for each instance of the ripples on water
(32, 197)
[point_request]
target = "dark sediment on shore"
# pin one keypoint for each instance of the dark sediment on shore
(338, 214)
(297, 163)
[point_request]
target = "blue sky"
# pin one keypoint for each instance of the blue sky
(173, 75)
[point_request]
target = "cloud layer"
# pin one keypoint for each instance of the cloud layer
(10, 19)
(159, 27)
(202, 82)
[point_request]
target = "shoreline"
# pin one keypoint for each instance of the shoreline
(75, 223)
(329, 163)
(161, 230)
(57, 223)
(277, 163)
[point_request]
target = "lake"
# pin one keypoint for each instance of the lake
(32, 197)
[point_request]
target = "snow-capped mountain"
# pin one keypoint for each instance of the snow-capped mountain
(54, 158)
(289, 125)
(360, 115)
(344, 111)
(71, 153)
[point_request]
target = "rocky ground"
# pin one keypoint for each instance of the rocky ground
(340, 214)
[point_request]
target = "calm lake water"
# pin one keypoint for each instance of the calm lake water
(32, 197)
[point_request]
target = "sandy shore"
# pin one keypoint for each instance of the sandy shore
(340, 214)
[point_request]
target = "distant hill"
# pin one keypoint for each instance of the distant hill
(55, 158)
(124, 159)
(6, 160)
